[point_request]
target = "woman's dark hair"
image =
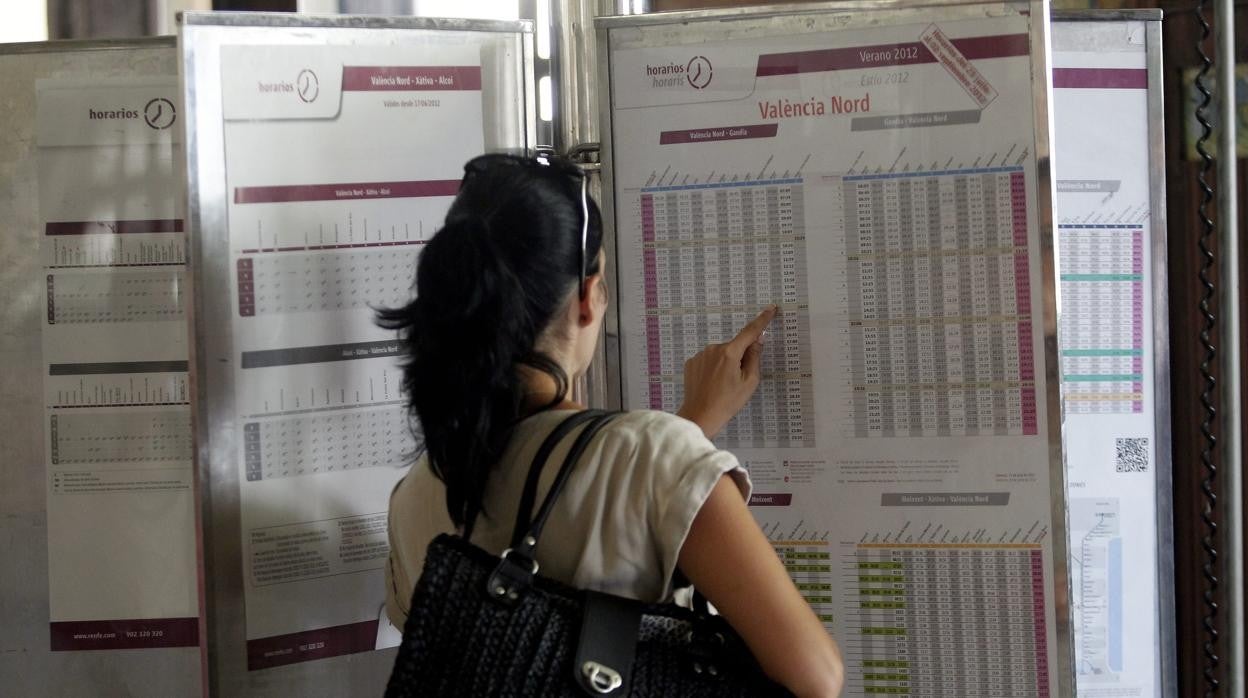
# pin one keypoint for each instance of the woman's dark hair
(487, 285)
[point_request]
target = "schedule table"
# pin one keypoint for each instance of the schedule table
(939, 299)
(937, 619)
(714, 255)
(1102, 317)
(809, 563)
(327, 440)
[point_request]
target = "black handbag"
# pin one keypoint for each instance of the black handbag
(486, 625)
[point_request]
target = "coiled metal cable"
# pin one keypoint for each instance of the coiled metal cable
(1208, 484)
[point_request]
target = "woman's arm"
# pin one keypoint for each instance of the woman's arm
(726, 555)
(730, 561)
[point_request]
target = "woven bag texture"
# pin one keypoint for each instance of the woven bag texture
(459, 642)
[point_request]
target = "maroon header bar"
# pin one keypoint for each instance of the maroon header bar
(343, 192)
(782, 499)
(718, 133)
(155, 225)
(79, 635)
(885, 55)
(279, 650)
(410, 78)
(1103, 78)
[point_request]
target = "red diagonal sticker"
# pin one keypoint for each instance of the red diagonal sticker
(967, 75)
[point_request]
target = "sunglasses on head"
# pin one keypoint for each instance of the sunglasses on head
(547, 159)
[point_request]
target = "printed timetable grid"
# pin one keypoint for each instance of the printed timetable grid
(938, 619)
(325, 441)
(713, 255)
(809, 564)
(117, 426)
(1102, 318)
(326, 278)
(938, 288)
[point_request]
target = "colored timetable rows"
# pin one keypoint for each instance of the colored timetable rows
(939, 302)
(946, 620)
(1102, 318)
(809, 563)
(713, 256)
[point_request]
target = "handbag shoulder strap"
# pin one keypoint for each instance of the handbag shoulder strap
(527, 497)
(530, 486)
(574, 455)
(517, 565)
(525, 537)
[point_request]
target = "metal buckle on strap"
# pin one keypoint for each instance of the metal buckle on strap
(511, 577)
(530, 560)
(601, 678)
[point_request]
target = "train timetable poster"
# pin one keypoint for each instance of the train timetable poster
(338, 169)
(876, 179)
(122, 569)
(1106, 233)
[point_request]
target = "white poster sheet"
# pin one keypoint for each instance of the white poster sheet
(122, 560)
(879, 184)
(1105, 262)
(340, 164)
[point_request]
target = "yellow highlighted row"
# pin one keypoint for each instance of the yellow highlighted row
(885, 664)
(808, 568)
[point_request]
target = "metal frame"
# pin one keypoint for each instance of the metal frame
(765, 11)
(67, 45)
(1041, 77)
(1167, 651)
(1106, 16)
(40, 670)
(614, 371)
(1046, 188)
(300, 21)
(212, 384)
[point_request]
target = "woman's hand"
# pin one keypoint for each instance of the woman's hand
(720, 379)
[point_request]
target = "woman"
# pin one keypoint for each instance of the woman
(510, 302)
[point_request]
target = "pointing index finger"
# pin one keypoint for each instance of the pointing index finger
(752, 331)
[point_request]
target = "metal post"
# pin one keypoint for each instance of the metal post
(574, 61)
(574, 54)
(628, 7)
(573, 32)
(543, 68)
(1229, 366)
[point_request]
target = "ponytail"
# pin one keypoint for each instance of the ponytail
(487, 285)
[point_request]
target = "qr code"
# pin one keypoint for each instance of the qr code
(1132, 455)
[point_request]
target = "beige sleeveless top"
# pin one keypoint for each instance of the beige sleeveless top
(618, 525)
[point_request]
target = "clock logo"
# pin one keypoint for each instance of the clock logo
(698, 72)
(159, 113)
(308, 86)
